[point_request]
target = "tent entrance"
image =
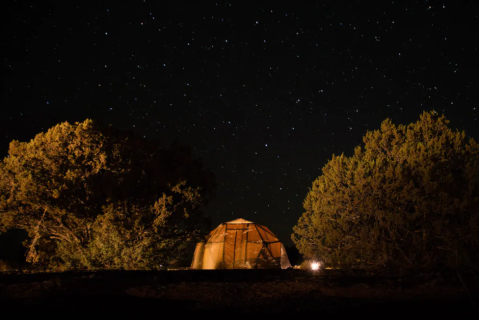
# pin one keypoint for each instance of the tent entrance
(235, 249)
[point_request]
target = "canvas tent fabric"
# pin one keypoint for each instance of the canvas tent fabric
(240, 244)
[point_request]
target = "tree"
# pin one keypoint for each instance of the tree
(409, 198)
(92, 196)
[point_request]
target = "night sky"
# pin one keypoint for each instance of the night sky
(264, 94)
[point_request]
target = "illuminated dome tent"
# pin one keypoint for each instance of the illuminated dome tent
(240, 244)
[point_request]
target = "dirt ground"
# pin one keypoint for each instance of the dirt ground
(235, 293)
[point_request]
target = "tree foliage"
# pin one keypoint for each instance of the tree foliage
(91, 196)
(408, 198)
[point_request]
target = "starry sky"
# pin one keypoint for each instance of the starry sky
(265, 94)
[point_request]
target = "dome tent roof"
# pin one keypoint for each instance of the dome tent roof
(239, 221)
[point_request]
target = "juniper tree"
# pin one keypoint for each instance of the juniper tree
(91, 196)
(408, 198)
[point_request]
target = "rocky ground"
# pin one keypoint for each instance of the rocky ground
(235, 293)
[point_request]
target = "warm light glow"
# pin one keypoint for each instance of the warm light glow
(315, 265)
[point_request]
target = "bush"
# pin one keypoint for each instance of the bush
(7, 266)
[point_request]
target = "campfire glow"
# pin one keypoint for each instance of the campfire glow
(315, 265)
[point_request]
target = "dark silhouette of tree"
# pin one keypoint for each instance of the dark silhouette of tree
(294, 256)
(92, 196)
(408, 198)
(11, 246)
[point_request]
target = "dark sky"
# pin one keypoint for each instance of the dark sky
(265, 94)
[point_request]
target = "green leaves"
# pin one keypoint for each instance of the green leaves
(101, 188)
(407, 198)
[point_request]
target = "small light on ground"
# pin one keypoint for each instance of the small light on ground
(315, 265)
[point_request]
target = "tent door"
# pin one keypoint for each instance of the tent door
(234, 257)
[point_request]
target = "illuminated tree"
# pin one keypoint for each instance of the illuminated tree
(408, 198)
(91, 196)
